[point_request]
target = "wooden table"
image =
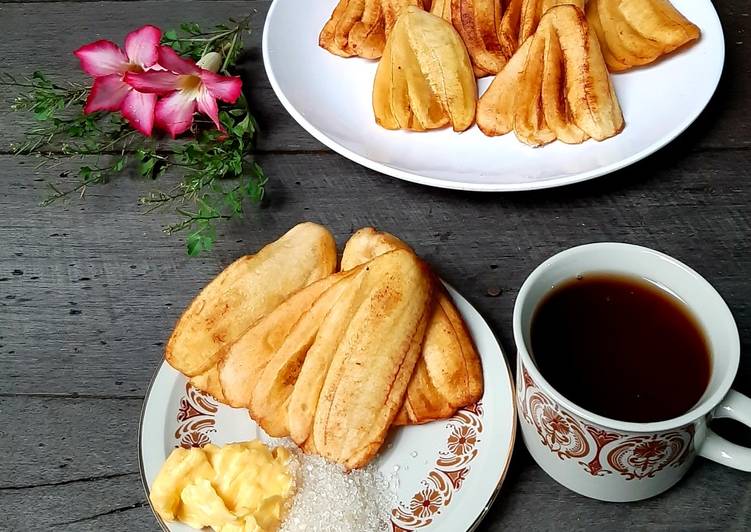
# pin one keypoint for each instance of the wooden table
(90, 289)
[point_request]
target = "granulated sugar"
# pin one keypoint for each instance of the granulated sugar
(330, 499)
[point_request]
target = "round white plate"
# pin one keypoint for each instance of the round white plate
(330, 97)
(449, 472)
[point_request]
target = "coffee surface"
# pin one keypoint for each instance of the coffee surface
(621, 347)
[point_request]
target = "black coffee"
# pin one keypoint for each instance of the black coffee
(621, 347)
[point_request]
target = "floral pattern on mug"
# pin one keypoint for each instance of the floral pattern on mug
(631, 456)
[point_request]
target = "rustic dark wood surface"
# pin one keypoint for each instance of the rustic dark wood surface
(90, 290)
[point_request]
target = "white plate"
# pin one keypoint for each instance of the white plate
(331, 98)
(457, 464)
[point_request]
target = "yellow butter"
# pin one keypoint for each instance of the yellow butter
(241, 487)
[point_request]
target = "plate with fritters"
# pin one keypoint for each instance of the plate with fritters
(331, 97)
(447, 472)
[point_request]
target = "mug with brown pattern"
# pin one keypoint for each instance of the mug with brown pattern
(611, 459)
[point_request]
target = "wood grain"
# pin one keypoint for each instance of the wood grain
(89, 290)
(57, 472)
(97, 282)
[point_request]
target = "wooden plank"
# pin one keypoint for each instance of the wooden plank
(67, 460)
(68, 25)
(106, 504)
(55, 448)
(100, 489)
(89, 291)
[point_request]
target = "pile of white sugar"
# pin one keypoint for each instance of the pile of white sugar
(329, 498)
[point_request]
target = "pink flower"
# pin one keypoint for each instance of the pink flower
(107, 64)
(186, 86)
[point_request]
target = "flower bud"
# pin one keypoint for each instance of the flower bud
(211, 61)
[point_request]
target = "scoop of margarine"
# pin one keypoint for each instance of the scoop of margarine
(241, 487)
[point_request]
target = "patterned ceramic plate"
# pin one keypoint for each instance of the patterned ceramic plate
(449, 471)
(331, 98)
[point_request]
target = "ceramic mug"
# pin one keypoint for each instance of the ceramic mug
(614, 460)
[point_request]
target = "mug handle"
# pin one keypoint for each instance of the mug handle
(738, 407)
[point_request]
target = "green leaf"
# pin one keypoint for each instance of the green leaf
(119, 164)
(194, 244)
(253, 126)
(234, 202)
(41, 80)
(43, 114)
(206, 209)
(200, 240)
(225, 119)
(242, 127)
(146, 167)
(237, 166)
(190, 27)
